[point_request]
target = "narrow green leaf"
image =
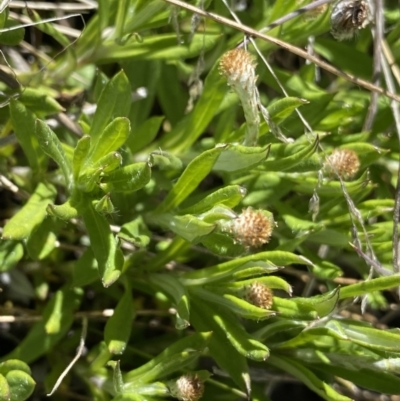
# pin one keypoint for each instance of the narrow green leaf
(267, 260)
(23, 121)
(239, 157)
(104, 245)
(323, 304)
(189, 180)
(165, 161)
(85, 270)
(176, 292)
(11, 253)
(283, 108)
(115, 101)
(110, 140)
(292, 160)
(188, 227)
(38, 342)
(127, 179)
(21, 225)
(119, 325)
(229, 196)
(51, 145)
(42, 240)
(234, 304)
(296, 369)
(184, 351)
(13, 37)
(145, 134)
(223, 351)
(81, 152)
(35, 100)
(66, 211)
(368, 286)
(136, 232)
(186, 132)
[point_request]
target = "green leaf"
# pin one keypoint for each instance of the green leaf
(236, 305)
(23, 121)
(222, 350)
(144, 134)
(42, 240)
(188, 227)
(173, 358)
(85, 270)
(38, 342)
(23, 223)
(292, 160)
(329, 188)
(51, 146)
(21, 385)
(38, 102)
(13, 37)
(119, 325)
(165, 161)
(178, 295)
(14, 364)
(187, 131)
(109, 257)
(189, 180)
(11, 253)
(368, 286)
(222, 320)
(81, 152)
(4, 389)
(323, 304)
(239, 157)
(111, 139)
(136, 232)
(268, 261)
(296, 369)
(127, 179)
(115, 101)
(229, 196)
(66, 211)
(283, 108)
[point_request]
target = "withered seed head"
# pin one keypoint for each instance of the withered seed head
(343, 162)
(348, 16)
(252, 228)
(259, 295)
(188, 387)
(237, 65)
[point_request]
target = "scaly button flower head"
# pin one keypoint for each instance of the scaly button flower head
(252, 228)
(260, 295)
(343, 162)
(188, 387)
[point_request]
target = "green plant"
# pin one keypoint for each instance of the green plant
(215, 240)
